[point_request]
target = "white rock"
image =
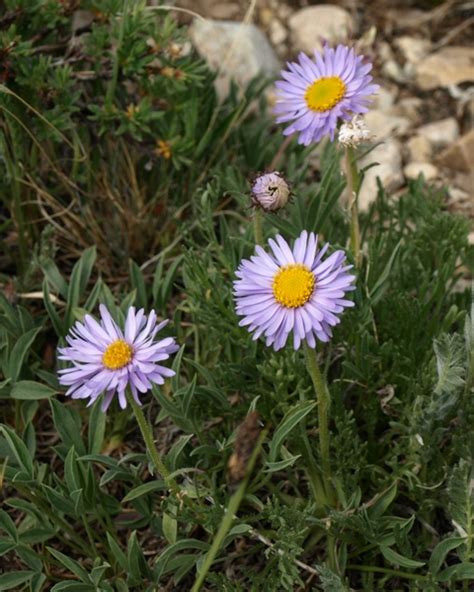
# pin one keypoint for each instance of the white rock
(394, 71)
(238, 51)
(459, 156)
(448, 66)
(384, 99)
(415, 169)
(389, 171)
(382, 125)
(409, 107)
(310, 27)
(278, 32)
(440, 133)
(412, 48)
(419, 149)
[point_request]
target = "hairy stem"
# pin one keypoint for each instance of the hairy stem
(324, 402)
(352, 176)
(257, 226)
(147, 434)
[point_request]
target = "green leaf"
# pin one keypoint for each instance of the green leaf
(19, 449)
(144, 489)
(54, 277)
(19, 353)
(7, 524)
(52, 313)
(383, 502)
(460, 571)
(381, 284)
(441, 550)
(29, 390)
(13, 579)
(450, 355)
(288, 423)
(136, 561)
(117, 552)
(73, 587)
(79, 278)
(170, 524)
(70, 564)
(68, 423)
(272, 467)
(397, 559)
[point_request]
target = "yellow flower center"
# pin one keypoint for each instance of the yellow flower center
(117, 355)
(323, 94)
(293, 285)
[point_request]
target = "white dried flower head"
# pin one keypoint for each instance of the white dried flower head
(270, 191)
(354, 132)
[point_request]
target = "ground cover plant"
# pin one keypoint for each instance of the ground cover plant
(255, 410)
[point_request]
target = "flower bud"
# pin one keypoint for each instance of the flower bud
(270, 192)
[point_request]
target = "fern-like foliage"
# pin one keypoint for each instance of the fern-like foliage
(460, 492)
(449, 351)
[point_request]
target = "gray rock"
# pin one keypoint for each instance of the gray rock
(415, 169)
(412, 48)
(419, 149)
(391, 69)
(278, 32)
(389, 170)
(237, 51)
(409, 107)
(384, 99)
(440, 133)
(459, 156)
(313, 25)
(448, 66)
(382, 125)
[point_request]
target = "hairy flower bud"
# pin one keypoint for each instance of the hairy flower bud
(354, 132)
(270, 192)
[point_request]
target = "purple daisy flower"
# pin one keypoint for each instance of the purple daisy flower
(315, 94)
(107, 360)
(293, 290)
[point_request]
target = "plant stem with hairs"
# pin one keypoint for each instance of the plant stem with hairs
(147, 434)
(352, 176)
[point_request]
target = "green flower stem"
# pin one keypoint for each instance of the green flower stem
(352, 175)
(257, 226)
(312, 469)
(324, 402)
(228, 518)
(150, 445)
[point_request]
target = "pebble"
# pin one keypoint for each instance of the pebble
(412, 48)
(384, 99)
(313, 25)
(419, 149)
(448, 66)
(277, 32)
(459, 156)
(440, 133)
(426, 169)
(410, 107)
(382, 125)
